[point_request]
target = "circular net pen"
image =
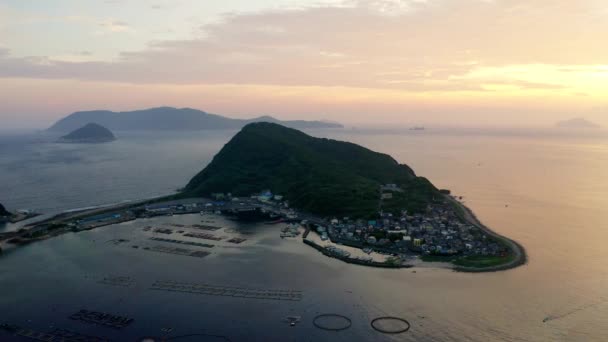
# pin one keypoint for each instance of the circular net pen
(390, 325)
(332, 322)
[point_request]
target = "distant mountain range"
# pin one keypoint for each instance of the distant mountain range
(89, 133)
(169, 118)
(577, 123)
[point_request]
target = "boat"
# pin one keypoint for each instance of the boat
(293, 320)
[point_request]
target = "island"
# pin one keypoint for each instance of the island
(171, 119)
(90, 133)
(353, 204)
(355, 197)
(577, 123)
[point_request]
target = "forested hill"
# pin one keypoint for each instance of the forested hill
(321, 176)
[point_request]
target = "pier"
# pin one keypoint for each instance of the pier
(352, 260)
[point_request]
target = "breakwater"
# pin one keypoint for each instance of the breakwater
(352, 260)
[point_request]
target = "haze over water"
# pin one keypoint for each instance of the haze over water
(545, 191)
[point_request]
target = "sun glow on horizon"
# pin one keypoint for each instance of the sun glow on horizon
(387, 60)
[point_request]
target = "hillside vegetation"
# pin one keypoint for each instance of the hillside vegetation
(321, 176)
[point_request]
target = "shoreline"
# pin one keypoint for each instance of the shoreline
(519, 258)
(97, 210)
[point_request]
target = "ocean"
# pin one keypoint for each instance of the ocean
(546, 190)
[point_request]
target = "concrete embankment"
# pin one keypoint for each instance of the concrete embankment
(351, 260)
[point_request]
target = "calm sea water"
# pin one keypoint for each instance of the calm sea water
(547, 191)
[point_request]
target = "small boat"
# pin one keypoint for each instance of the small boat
(293, 320)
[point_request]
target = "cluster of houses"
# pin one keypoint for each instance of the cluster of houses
(264, 196)
(438, 231)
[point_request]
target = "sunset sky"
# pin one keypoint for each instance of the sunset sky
(464, 62)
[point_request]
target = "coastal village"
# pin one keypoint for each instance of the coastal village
(396, 238)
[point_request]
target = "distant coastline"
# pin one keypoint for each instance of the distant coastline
(171, 119)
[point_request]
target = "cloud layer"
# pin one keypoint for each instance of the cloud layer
(354, 45)
(506, 48)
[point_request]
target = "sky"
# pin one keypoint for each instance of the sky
(460, 62)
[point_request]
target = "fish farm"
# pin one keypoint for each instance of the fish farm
(227, 291)
(117, 281)
(100, 318)
(53, 335)
(189, 243)
(177, 251)
(204, 236)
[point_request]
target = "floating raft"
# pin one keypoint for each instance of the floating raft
(117, 281)
(177, 251)
(205, 227)
(204, 236)
(100, 318)
(227, 291)
(189, 243)
(54, 335)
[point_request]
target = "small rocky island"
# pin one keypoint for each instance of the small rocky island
(90, 133)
